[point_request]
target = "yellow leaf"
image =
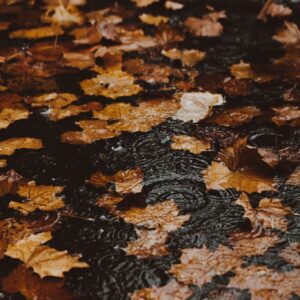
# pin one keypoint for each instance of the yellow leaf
(189, 143)
(8, 147)
(36, 33)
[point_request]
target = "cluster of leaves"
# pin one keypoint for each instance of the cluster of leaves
(124, 69)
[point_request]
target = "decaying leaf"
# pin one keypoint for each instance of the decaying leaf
(236, 116)
(8, 147)
(153, 20)
(24, 281)
(270, 213)
(144, 3)
(207, 25)
(218, 176)
(172, 291)
(288, 35)
(188, 58)
(294, 178)
(36, 33)
(162, 215)
(287, 115)
(44, 260)
(111, 83)
(40, 197)
(150, 243)
(264, 283)
(189, 143)
(199, 266)
(127, 181)
(197, 106)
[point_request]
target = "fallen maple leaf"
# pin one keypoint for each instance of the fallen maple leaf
(264, 283)
(171, 291)
(189, 143)
(218, 176)
(150, 243)
(36, 33)
(40, 197)
(188, 58)
(44, 260)
(236, 116)
(208, 25)
(197, 106)
(288, 35)
(270, 213)
(31, 286)
(162, 215)
(287, 115)
(8, 147)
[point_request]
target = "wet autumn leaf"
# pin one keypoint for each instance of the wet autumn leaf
(264, 283)
(153, 20)
(173, 5)
(10, 182)
(188, 58)
(3, 163)
(8, 147)
(36, 33)
(237, 87)
(288, 115)
(164, 215)
(111, 83)
(288, 35)
(197, 106)
(80, 60)
(270, 213)
(110, 202)
(189, 143)
(236, 116)
(150, 243)
(291, 254)
(44, 260)
(199, 266)
(273, 10)
(208, 25)
(294, 178)
(218, 176)
(31, 286)
(127, 181)
(171, 291)
(143, 3)
(40, 197)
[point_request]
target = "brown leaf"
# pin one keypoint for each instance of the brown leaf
(40, 197)
(36, 33)
(189, 143)
(150, 243)
(270, 213)
(143, 3)
(288, 115)
(288, 35)
(153, 20)
(207, 25)
(188, 58)
(87, 35)
(162, 215)
(173, 5)
(236, 116)
(266, 284)
(197, 106)
(8, 147)
(172, 291)
(80, 60)
(273, 10)
(10, 182)
(291, 254)
(31, 286)
(3, 163)
(294, 178)
(237, 87)
(44, 260)
(218, 176)
(110, 202)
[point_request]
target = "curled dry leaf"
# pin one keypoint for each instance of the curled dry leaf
(162, 215)
(197, 106)
(40, 197)
(199, 266)
(8, 147)
(189, 143)
(65, 16)
(188, 58)
(236, 116)
(219, 177)
(288, 115)
(208, 25)
(128, 181)
(144, 3)
(171, 291)
(288, 35)
(173, 5)
(150, 243)
(31, 286)
(294, 178)
(44, 260)
(111, 83)
(153, 20)
(36, 33)
(270, 213)
(93, 130)
(265, 283)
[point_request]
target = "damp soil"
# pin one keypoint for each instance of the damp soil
(168, 174)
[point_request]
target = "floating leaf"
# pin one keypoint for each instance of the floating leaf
(10, 182)
(273, 10)
(8, 147)
(288, 35)
(189, 143)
